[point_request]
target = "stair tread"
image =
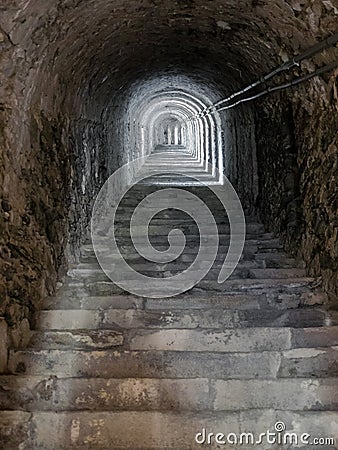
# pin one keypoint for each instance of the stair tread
(300, 362)
(134, 337)
(149, 394)
(176, 318)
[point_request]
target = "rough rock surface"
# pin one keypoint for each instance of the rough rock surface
(68, 71)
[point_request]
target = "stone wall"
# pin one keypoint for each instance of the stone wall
(33, 222)
(316, 136)
(240, 154)
(298, 167)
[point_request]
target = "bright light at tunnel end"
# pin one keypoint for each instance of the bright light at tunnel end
(115, 266)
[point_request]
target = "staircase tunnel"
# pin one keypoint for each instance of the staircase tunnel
(87, 86)
(78, 79)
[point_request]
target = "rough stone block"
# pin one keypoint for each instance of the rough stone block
(146, 364)
(239, 340)
(97, 394)
(309, 362)
(283, 394)
(67, 319)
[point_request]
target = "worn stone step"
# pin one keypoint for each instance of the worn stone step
(93, 270)
(163, 230)
(272, 287)
(255, 285)
(282, 394)
(152, 430)
(97, 394)
(132, 197)
(145, 364)
(270, 257)
(92, 275)
(239, 340)
(247, 260)
(200, 299)
(74, 337)
(169, 220)
(195, 299)
(232, 285)
(62, 301)
(201, 319)
(311, 362)
(149, 204)
(296, 363)
(191, 239)
(262, 240)
(252, 244)
(29, 393)
(260, 273)
(212, 275)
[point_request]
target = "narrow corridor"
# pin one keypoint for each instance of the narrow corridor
(168, 224)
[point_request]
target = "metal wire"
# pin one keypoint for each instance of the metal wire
(280, 87)
(315, 49)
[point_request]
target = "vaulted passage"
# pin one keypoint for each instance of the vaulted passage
(89, 86)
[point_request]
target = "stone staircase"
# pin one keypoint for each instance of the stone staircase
(105, 369)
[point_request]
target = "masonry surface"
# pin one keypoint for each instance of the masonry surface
(79, 79)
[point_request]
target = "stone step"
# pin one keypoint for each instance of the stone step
(143, 265)
(232, 341)
(152, 430)
(252, 244)
(251, 249)
(124, 212)
(181, 339)
(168, 270)
(191, 241)
(168, 220)
(158, 231)
(250, 285)
(295, 363)
(91, 319)
(272, 287)
(33, 393)
(274, 303)
(248, 260)
(75, 338)
(175, 219)
(268, 259)
(123, 235)
(163, 212)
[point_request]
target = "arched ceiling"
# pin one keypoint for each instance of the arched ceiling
(101, 46)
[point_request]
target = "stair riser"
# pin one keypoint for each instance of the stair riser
(241, 273)
(149, 430)
(255, 307)
(232, 286)
(298, 363)
(163, 230)
(251, 246)
(95, 394)
(247, 260)
(176, 319)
